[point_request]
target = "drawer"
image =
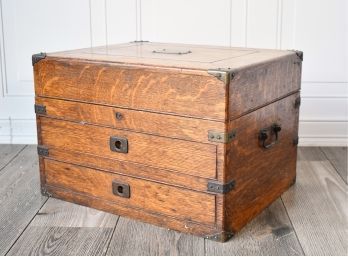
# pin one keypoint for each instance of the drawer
(131, 192)
(157, 89)
(192, 158)
(140, 121)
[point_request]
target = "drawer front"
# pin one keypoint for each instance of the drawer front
(192, 158)
(140, 121)
(149, 196)
(159, 90)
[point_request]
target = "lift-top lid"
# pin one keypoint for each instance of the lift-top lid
(175, 55)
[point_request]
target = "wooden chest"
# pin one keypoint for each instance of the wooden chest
(197, 139)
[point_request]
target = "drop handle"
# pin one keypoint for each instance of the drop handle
(270, 132)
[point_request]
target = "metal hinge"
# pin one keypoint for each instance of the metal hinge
(42, 151)
(37, 57)
(297, 102)
(221, 237)
(216, 187)
(40, 109)
(225, 75)
(221, 137)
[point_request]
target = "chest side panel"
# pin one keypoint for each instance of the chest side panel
(158, 90)
(261, 169)
(261, 84)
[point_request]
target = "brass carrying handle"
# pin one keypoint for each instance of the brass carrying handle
(164, 51)
(273, 130)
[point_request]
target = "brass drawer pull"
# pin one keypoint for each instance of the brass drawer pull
(120, 189)
(263, 135)
(118, 144)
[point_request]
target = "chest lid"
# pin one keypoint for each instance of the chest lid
(175, 55)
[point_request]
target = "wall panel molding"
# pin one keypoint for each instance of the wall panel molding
(319, 28)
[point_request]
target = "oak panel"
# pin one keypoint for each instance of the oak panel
(261, 174)
(135, 120)
(168, 200)
(133, 87)
(130, 169)
(187, 157)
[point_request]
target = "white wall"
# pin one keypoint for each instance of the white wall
(318, 27)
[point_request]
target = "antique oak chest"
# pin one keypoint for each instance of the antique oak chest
(198, 139)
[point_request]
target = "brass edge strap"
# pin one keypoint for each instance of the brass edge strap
(216, 187)
(221, 237)
(40, 109)
(221, 137)
(42, 150)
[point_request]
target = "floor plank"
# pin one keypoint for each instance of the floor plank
(338, 157)
(63, 228)
(270, 233)
(8, 152)
(20, 196)
(136, 238)
(317, 205)
(62, 241)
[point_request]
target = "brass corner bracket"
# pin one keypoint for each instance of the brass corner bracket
(37, 57)
(225, 75)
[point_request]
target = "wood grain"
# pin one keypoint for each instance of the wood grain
(131, 87)
(186, 226)
(149, 196)
(166, 104)
(62, 241)
(58, 213)
(317, 205)
(338, 157)
(135, 170)
(135, 238)
(261, 84)
(20, 197)
(261, 175)
(134, 120)
(270, 233)
(8, 152)
(191, 158)
(62, 228)
(201, 57)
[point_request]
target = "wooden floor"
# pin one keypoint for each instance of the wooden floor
(309, 219)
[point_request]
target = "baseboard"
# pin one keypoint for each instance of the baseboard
(322, 141)
(23, 140)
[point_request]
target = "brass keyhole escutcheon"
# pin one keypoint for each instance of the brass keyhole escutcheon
(120, 189)
(118, 144)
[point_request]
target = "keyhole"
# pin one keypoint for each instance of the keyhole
(120, 189)
(118, 144)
